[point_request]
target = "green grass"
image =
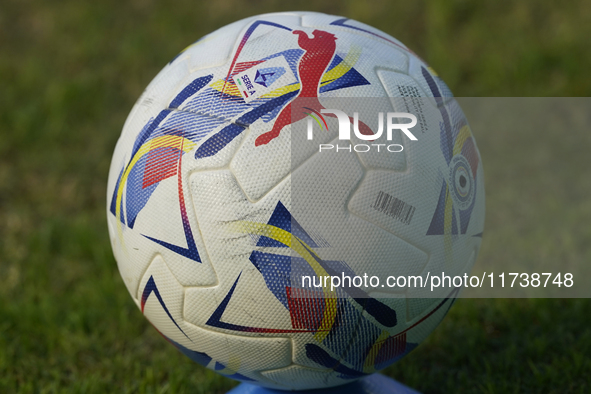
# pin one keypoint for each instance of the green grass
(70, 72)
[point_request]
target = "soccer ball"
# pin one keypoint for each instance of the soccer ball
(230, 184)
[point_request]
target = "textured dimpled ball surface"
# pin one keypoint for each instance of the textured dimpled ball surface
(217, 201)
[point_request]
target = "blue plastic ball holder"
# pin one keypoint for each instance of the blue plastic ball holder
(373, 384)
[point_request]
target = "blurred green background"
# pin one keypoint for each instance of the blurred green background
(70, 72)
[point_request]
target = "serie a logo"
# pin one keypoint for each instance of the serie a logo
(345, 131)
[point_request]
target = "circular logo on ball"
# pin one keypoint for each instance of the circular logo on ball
(462, 182)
